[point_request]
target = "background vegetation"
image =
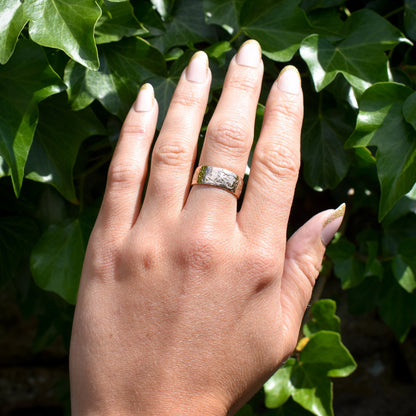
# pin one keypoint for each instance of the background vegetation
(69, 71)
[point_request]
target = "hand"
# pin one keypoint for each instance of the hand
(187, 306)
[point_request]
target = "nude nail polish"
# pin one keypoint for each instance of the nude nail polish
(145, 98)
(332, 224)
(289, 80)
(249, 54)
(197, 69)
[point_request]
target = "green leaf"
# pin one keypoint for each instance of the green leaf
(279, 26)
(397, 307)
(12, 21)
(409, 109)
(165, 86)
(125, 65)
(17, 237)
(25, 80)
(324, 133)
(404, 274)
(410, 18)
(67, 25)
(163, 7)
(404, 264)
(323, 318)
(278, 388)
(116, 22)
(326, 351)
(56, 260)
(312, 390)
(57, 140)
(381, 123)
(185, 26)
(346, 266)
(223, 13)
(320, 4)
(358, 55)
(290, 408)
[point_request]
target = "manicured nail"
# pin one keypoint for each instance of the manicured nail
(197, 69)
(249, 54)
(332, 224)
(145, 98)
(289, 80)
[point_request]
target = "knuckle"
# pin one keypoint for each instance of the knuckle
(199, 250)
(187, 99)
(173, 153)
(230, 136)
(131, 129)
(245, 82)
(265, 268)
(278, 160)
(307, 267)
(125, 174)
(286, 113)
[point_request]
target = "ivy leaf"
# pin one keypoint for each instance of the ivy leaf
(185, 26)
(56, 260)
(410, 18)
(404, 264)
(223, 13)
(320, 4)
(279, 26)
(323, 318)
(124, 66)
(397, 307)
(163, 7)
(12, 21)
(346, 266)
(278, 388)
(17, 236)
(326, 351)
(381, 123)
(165, 86)
(25, 80)
(325, 160)
(57, 140)
(67, 25)
(358, 55)
(312, 391)
(116, 22)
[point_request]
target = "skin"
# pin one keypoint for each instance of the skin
(185, 306)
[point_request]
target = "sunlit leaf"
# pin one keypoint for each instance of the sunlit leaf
(125, 65)
(116, 22)
(279, 26)
(381, 123)
(358, 54)
(12, 21)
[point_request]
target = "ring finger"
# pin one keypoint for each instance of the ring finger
(230, 132)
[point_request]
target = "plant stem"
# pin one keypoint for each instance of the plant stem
(393, 12)
(236, 36)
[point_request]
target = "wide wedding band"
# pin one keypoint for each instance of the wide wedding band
(218, 177)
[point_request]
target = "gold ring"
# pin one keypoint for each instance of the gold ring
(218, 177)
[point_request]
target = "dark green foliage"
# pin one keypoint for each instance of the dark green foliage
(69, 72)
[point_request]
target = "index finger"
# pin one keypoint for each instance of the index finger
(274, 171)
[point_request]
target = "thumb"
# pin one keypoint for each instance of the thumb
(303, 259)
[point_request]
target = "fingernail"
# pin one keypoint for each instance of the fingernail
(145, 98)
(332, 224)
(197, 69)
(249, 54)
(289, 80)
